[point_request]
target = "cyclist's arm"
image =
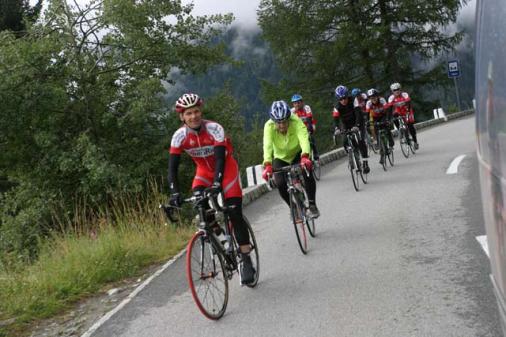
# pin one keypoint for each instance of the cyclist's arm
(336, 119)
(267, 143)
(219, 162)
(311, 120)
(174, 160)
(302, 135)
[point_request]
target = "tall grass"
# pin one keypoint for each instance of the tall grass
(124, 237)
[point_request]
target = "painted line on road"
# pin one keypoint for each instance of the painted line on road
(134, 293)
(482, 239)
(454, 166)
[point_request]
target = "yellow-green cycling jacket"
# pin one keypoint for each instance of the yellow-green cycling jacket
(285, 147)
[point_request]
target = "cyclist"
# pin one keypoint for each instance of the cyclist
(303, 111)
(402, 106)
(217, 170)
(286, 142)
(360, 100)
(380, 114)
(347, 116)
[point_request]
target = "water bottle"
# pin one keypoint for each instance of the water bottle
(228, 243)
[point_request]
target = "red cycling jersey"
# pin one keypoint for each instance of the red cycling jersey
(200, 146)
(401, 106)
(400, 103)
(377, 110)
(306, 115)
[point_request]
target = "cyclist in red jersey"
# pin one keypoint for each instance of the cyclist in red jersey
(402, 106)
(303, 111)
(360, 100)
(217, 170)
(380, 114)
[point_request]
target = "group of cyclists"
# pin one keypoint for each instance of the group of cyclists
(288, 139)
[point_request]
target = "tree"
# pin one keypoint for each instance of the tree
(13, 14)
(83, 115)
(361, 43)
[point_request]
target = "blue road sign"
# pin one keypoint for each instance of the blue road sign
(453, 68)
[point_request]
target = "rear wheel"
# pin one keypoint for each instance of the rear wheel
(206, 276)
(297, 212)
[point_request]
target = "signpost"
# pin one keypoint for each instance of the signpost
(454, 72)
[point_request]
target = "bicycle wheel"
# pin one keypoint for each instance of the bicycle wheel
(353, 171)
(297, 212)
(255, 258)
(207, 277)
(390, 156)
(317, 170)
(310, 223)
(404, 142)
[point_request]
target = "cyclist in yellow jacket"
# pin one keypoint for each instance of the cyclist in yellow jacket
(286, 142)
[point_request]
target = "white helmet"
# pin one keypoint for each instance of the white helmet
(187, 101)
(395, 86)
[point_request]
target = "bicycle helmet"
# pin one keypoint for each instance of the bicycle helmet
(395, 86)
(341, 92)
(187, 101)
(355, 92)
(296, 97)
(372, 92)
(279, 111)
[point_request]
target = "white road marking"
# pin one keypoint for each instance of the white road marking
(134, 293)
(482, 239)
(454, 166)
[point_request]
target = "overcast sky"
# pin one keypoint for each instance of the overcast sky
(244, 10)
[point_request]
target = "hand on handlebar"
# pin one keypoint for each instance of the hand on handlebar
(306, 163)
(337, 131)
(267, 172)
(214, 189)
(355, 129)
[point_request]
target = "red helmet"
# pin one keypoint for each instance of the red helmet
(187, 101)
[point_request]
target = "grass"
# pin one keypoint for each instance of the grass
(77, 264)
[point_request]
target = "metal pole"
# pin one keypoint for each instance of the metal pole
(457, 92)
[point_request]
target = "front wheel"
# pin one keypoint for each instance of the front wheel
(206, 276)
(297, 213)
(353, 169)
(404, 142)
(390, 156)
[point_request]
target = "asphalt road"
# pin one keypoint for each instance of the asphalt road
(398, 258)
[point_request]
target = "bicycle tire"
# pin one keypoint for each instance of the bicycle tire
(353, 171)
(404, 142)
(255, 258)
(206, 276)
(390, 156)
(311, 227)
(296, 211)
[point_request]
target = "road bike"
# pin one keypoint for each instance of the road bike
(405, 141)
(210, 261)
(386, 152)
(354, 158)
(299, 203)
